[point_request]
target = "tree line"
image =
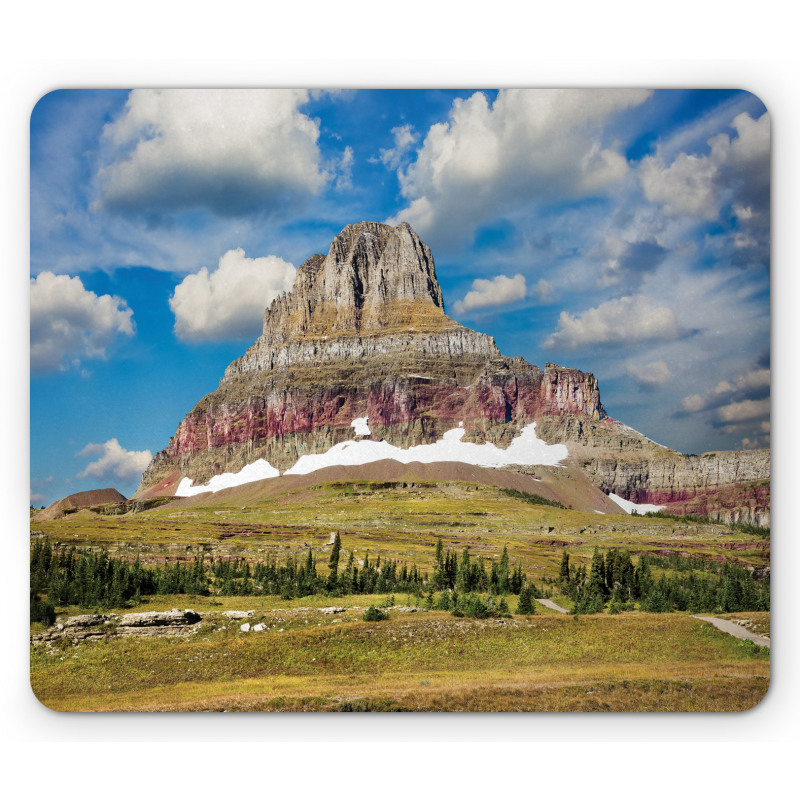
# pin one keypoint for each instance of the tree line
(614, 580)
(66, 576)
(92, 579)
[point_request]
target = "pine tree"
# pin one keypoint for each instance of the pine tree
(597, 574)
(502, 572)
(563, 572)
(333, 564)
(526, 603)
(463, 582)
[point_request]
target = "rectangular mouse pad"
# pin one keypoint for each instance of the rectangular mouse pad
(400, 400)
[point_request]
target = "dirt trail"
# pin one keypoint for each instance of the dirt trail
(733, 629)
(551, 604)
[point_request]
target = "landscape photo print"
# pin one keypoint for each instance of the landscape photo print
(400, 400)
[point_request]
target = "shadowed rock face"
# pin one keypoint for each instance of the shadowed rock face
(363, 333)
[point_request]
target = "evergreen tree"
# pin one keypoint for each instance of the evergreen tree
(526, 603)
(597, 574)
(333, 564)
(502, 572)
(463, 582)
(563, 572)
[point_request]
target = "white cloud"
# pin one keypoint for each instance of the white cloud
(684, 187)
(737, 407)
(114, 461)
(693, 403)
(230, 301)
(529, 146)
(495, 292)
(627, 319)
(231, 151)
(70, 323)
(404, 137)
(735, 171)
(729, 396)
(656, 373)
(743, 411)
(344, 179)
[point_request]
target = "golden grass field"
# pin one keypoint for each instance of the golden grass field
(427, 661)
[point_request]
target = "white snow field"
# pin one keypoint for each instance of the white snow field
(359, 425)
(256, 471)
(525, 449)
(629, 508)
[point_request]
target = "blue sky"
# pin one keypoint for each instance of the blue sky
(625, 233)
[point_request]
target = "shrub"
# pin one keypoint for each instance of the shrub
(373, 614)
(42, 611)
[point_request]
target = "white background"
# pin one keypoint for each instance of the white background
(51, 45)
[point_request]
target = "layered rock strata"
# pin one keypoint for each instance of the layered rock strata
(728, 486)
(363, 333)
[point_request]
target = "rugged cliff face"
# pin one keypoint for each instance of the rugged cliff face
(363, 333)
(727, 486)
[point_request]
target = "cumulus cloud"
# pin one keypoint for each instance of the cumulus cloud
(229, 302)
(404, 137)
(656, 373)
(735, 172)
(114, 462)
(70, 323)
(627, 319)
(743, 411)
(529, 146)
(495, 292)
(739, 406)
(749, 386)
(229, 151)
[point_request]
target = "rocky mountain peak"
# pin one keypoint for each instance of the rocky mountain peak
(375, 278)
(363, 334)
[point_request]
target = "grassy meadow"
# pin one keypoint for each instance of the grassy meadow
(424, 661)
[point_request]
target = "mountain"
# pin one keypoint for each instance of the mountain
(361, 349)
(74, 502)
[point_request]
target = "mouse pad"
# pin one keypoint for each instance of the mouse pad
(400, 400)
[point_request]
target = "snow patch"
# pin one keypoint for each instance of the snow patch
(359, 424)
(256, 471)
(629, 507)
(526, 449)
